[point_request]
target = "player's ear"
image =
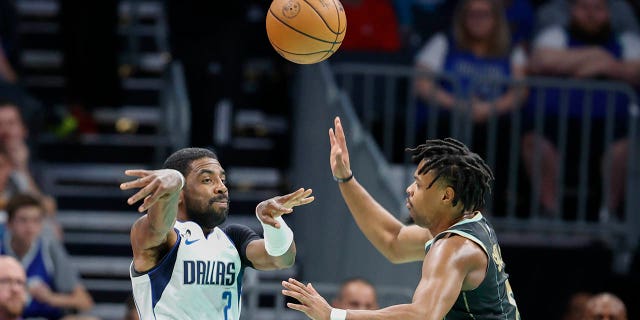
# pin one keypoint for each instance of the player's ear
(448, 194)
(181, 198)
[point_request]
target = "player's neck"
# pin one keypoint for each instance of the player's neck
(448, 223)
(206, 231)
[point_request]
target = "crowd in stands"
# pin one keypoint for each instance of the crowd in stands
(469, 50)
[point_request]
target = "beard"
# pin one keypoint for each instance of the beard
(207, 216)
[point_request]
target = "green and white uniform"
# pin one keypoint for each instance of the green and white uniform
(493, 299)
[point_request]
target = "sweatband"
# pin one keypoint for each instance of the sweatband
(181, 179)
(277, 240)
(338, 314)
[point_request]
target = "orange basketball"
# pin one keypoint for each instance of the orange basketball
(306, 31)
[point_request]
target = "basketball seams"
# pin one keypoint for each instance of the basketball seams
(330, 52)
(338, 16)
(303, 54)
(302, 33)
(322, 18)
(305, 33)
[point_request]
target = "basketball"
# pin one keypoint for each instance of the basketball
(306, 31)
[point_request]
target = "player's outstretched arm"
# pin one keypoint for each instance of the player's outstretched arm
(454, 264)
(277, 250)
(151, 235)
(397, 242)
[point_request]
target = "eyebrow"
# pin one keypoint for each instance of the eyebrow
(207, 171)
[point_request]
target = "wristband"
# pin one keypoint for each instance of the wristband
(338, 314)
(277, 240)
(343, 180)
(181, 179)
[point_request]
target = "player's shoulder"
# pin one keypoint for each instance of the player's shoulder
(458, 248)
(232, 228)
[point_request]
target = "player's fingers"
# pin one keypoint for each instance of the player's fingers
(137, 172)
(295, 287)
(276, 209)
(143, 193)
(293, 294)
(137, 183)
(311, 288)
(152, 198)
(298, 307)
(340, 133)
(297, 283)
(304, 201)
(332, 137)
(297, 199)
(267, 219)
(144, 206)
(290, 196)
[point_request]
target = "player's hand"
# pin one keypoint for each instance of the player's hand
(153, 184)
(339, 158)
(268, 210)
(311, 302)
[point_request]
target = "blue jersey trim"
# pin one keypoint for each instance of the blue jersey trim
(160, 275)
(239, 285)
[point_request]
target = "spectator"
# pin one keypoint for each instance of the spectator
(13, 295)
(7, 73)
(474, 59)
(586, 48)
(479, 48)
(8, 41)
(53, 282)
(421, 19)
(372, 26)
(577, 306)
(605, 306)
(356, 294)
(9, 38)
(519, 14)
(557, 12)
(15, 172)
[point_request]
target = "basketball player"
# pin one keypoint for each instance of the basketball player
(185, 266)
(463, 274)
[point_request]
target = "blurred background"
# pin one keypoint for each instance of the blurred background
(545, 91)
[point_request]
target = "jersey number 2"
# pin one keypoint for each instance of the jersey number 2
(226, 296)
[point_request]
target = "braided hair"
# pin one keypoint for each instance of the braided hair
(462, 169)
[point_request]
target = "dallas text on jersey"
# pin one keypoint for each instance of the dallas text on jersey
(209, 272)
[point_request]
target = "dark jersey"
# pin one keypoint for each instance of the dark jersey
(493, 298)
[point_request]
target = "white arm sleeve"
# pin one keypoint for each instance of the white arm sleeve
(551, 38)
(433, 53)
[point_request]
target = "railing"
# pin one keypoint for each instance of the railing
(263, 300)
(176, 121)
(389, 108)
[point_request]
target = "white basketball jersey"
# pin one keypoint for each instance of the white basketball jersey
(200, 278)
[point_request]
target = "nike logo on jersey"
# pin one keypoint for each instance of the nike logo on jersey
(188, 242)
